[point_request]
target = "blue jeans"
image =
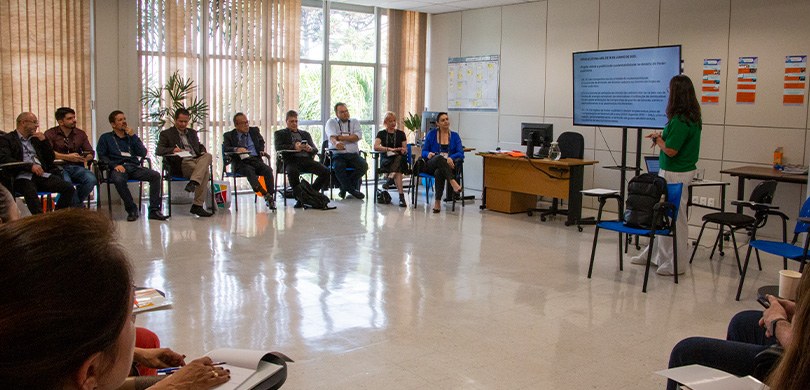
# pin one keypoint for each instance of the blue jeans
(735, 355)
(82, 178)
(349, 180)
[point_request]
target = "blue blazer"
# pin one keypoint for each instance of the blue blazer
(432, 145)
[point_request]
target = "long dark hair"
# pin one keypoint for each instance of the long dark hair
(682, 100)
(65, 294)
(793, 370)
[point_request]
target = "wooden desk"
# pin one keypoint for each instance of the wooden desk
(511, 185)
(760, 173)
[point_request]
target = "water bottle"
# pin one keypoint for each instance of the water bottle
(554, 151)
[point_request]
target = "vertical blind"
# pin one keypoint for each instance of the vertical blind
(44, 60)
(407, 41)
(243, 55)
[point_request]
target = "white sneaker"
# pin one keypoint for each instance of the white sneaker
(666, 271)
(641, 259)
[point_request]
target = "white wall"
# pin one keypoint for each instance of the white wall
(536, 40)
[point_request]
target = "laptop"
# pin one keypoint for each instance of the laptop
(653, 165)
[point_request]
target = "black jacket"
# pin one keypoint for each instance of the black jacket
(11, 151)
(169, 139)
(283, 141)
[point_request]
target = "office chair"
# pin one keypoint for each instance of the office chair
(572, 145)
(328, 161)
(227, 160)
(417, 175)
(669, 209)
(784, 249)
(760, 197)
(168, 177)
(102, 172)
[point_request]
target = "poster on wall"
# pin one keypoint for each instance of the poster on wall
(472, 83)
(747, 79)
(795, 80)
(711, 81)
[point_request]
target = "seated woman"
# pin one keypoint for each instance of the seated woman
(444, 154)
(750, 332)
(54, 330)
(394, 143)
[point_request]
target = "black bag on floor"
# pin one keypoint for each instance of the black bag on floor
(643, 193)
(310, 198)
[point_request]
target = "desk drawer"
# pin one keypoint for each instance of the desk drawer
(510, 202)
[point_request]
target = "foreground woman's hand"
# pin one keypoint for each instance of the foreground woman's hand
(199, 374)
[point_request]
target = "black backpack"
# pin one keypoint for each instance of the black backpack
(310, 198)
(383, 197)
(643, 193)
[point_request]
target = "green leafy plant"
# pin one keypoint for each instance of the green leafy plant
(163, 101)
(414, 123)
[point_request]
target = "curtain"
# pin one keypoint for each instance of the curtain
(44, 60)
(407, 40)
(242, 54)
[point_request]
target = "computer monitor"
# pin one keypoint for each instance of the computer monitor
(536, 134)
(429, 121)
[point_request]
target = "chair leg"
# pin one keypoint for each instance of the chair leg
(697, 243)
(647, 266)
(109, 199)
(140, 195)
(593, 250)
(737, 251)
(169, 201)
(718, 242)
(621, 254)
(235, 195)
(744, 270)
(674, 252)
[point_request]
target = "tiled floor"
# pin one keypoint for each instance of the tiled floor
(379, 297)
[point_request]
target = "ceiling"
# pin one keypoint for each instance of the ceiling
(434, 6)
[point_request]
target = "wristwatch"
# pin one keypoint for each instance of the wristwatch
(773, 325)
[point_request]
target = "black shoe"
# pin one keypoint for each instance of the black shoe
(200, 211)
(298, 205)
(357, 194)
(388, 184)
(402, 201)
(192, 186)
(132, 216)
(270, 202)
(157, 216)
(342, 194)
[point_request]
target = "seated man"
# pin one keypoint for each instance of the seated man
(120, 150)
(247, 144)
(344, 134)
(71, 145)
(302, 160)
(28, 146)
(187, 158)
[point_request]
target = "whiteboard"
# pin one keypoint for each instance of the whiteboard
(472, 83)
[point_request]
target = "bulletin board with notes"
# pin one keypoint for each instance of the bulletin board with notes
(473, 83)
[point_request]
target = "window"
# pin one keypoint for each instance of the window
(348, 70)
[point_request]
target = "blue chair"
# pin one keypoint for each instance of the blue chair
(227, 159)
(167, 177)
(670, 210)
(328, 161)
(781, 248)
(429, 180)
(102, 172)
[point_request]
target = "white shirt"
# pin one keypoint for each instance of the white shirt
(335, 127)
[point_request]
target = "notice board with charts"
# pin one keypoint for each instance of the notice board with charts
(473, 83)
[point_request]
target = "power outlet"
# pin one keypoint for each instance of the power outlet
(703, 200)
(710, 203)
(695, 199)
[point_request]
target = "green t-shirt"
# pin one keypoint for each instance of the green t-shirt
(685, 138)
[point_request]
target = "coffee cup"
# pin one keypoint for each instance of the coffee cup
(788, 283)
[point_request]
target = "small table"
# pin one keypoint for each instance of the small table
(760, 173)
(708, 183)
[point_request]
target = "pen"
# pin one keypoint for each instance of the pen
(170, 370)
